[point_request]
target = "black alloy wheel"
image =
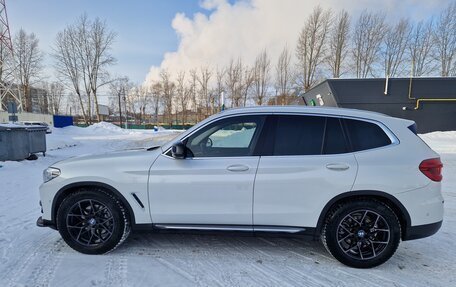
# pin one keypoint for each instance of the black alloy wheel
(361, 233)
(92, 221)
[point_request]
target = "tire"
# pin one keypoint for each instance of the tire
(92, 221)
(364, 233)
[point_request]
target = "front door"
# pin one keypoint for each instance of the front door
(213, 185)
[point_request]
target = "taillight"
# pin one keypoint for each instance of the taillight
(432, 168)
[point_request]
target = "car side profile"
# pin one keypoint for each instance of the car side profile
(359, 181)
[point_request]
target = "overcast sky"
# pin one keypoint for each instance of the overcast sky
(184, 34)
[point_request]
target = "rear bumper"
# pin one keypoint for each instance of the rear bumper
(40, 222)
(421, 231)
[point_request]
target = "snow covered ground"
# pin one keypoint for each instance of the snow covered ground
(32, 256)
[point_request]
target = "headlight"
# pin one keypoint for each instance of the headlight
(50, 173)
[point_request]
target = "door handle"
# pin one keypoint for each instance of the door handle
(337, 166)
(237, 167)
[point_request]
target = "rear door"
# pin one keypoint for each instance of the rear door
(305, 163)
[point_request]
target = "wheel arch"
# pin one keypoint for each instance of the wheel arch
(73, 187)
(390, 200)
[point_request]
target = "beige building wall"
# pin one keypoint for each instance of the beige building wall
(28, 117)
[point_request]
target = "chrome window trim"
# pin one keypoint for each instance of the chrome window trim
(394, 140)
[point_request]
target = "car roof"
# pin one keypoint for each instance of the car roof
(317, 110)
(305, 110)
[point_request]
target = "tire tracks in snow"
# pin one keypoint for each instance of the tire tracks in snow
(15, 272)
(45, 270)
(116, 271)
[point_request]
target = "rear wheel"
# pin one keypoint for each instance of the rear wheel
(92, 221)
(362, 234)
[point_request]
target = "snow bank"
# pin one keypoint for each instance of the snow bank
(442, 142)
(105, 128)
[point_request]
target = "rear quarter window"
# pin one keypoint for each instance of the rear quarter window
(365, 135)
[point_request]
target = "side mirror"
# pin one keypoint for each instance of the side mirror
(179, 151)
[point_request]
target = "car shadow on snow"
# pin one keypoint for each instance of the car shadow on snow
(238, 245)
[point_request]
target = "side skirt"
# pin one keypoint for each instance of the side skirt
(263, 230)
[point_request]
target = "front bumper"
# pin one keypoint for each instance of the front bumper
(40, 222)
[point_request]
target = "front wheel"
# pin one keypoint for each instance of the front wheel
(92, 221)
(362, 234)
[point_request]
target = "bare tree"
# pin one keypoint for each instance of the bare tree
(183, 94)
(193, 88)
(131, 103)
(283, 73)
(220, 86)
(98, 57)
(55, 92)
(82, 54)
(143, 100)
(68, 65)
(395, 44)
(261, 78)
(72, 106)
(245, 83)
(338, 43)
(137, 100)
(203, 80)
(445, 39)
(310, 50)
(234, 81)
(28, 59)
(421, 49)
(119, 88)
(453, 69)
(156, 99)
(368, 34)
(167, 93)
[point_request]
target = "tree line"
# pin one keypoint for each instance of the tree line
(329, 45)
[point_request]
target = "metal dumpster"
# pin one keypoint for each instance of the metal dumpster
(14, 142)
(37, 139)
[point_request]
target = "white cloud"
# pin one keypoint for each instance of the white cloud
(245, 28)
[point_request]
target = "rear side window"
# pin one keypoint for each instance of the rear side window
(299, 135)
(308, 135)
(334, 142)
(365, 135)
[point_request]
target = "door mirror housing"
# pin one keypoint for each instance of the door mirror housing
(179, 150)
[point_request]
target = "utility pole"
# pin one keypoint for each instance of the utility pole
(8, 74)
(126, 111)
(222, 107)
(119, 94)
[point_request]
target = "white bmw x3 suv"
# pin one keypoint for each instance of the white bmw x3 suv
(357, 180)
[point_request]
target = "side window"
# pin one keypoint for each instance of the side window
(334, 142)
(226, 138)
(365, 135)
(299, 135)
